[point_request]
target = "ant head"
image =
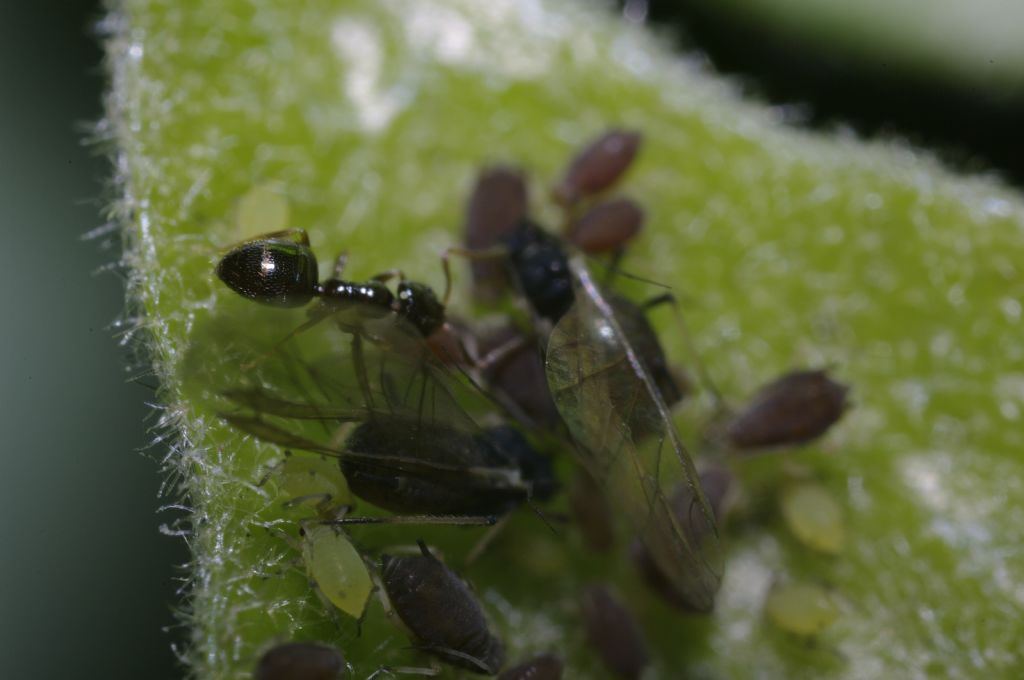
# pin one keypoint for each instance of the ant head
(271, 270)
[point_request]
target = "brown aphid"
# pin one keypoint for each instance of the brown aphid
(496, 205)
(613, 632)
(607, 227)
(794, 409)
(716, 482)
(519, 376)
(543, 667)
(441, 612)
(301, 661)
(598, 166)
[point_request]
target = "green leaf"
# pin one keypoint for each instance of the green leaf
(793, 249)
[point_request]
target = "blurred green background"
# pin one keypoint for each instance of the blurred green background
(86, 579)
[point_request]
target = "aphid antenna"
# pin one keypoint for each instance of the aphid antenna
(483, 254)
(469, 658)
(485, 541)
(427, 520)
(707, 382)
(405, 670)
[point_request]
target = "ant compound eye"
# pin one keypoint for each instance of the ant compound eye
(273, 271)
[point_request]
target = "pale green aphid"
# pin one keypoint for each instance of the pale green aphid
(337, 568)
(308, 480)
(263, 209)
(814, 516)
(801, 608)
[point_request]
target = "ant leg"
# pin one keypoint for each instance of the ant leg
(359, 364)
(493, 253)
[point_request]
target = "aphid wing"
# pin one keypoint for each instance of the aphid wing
(627, 441)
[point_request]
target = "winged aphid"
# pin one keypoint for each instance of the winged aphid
(626, 440)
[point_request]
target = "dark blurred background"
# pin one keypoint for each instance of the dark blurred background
(86, 579)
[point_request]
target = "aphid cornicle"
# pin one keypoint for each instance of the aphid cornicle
(543, 667)
(301, 661)
(441, 612)
(613, 633)
(793, 409)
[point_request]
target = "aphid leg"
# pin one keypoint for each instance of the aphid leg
(494, 253)
(669, 298)
(405, 670)
(485, 541)
(388, 275)
(503, 351)
(339, 264)
(447, 520)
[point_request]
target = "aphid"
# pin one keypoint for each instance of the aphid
(301, 661)
(439, 610)
(606, 227)
(598, 166)
(716, 482)
(801, 608)
(627, 442)
(793, 409)
(518, 376)
(417, 449)
(497, 203)
(814, 516)
(336, 568)
(613, 633)
(305, 480)
(543, 667)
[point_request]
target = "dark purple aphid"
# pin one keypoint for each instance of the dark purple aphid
(613, 633)
(300, 661)
(606, 227)
(598, 166)
(519, 376)
(280, 270)
(543, 667)
(496, 205)
(716, 482)
(794, 409)
(590, 512)
(441, 612)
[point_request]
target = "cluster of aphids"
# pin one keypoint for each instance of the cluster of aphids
(584, 366)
